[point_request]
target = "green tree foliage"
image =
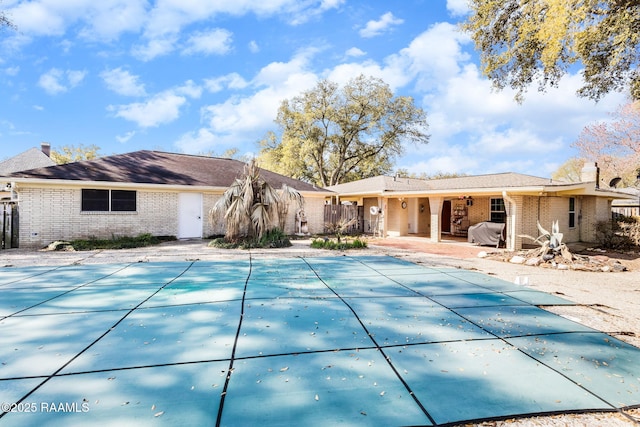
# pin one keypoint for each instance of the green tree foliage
(525, 41)
(251, 206)
(332, 135)
(71, 153)
(569, 171)
(404, 173)
(230, 153)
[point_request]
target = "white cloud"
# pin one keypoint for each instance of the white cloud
(355, 52)
(197, 142)
(190, 89)
(381, 26)
(160, 109)
(169, 17)
(458, 7)
(254, 47)
(244, 118)
(215, 41)
(435, 55)
(75, 77)
(12, 71)
(57, 81)
(99, 20)
(229, 81)
(123, 82)
(155, 47)
(50, 81)
(106, 20)
(126, 137)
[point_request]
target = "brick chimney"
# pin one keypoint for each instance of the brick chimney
(590, 173)
(46, 148)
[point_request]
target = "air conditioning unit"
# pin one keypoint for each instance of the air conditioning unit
(374, 210)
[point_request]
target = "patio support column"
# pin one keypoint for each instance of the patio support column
(435, 205)
(511, 208)
(384, 204)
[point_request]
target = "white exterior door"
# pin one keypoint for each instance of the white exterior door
(189, 215)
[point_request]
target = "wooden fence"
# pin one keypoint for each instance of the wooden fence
(9, 223)
(336, 214)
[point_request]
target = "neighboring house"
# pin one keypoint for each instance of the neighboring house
(30, 159)
(164, 194)
(627, 207)
(395, 206)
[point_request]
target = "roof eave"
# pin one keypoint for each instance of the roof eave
(44, 182)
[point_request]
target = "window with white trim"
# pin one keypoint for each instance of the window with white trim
(498, 211)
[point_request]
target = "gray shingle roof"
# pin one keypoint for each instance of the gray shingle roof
(380, 184)
(156, 167)
(30, 159)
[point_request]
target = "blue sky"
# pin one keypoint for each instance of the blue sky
(199, 76)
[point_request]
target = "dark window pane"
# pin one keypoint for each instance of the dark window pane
(572, 212)
(499, 217)
(498, 211)
(123, 200)
(95, 200)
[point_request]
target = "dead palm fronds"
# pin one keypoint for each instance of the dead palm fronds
(250, 205)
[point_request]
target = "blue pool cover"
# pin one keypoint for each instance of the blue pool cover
(367, 340)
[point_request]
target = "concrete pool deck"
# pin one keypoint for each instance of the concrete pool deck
(176, 339)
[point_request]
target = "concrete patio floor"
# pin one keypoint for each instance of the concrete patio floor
(349, 340)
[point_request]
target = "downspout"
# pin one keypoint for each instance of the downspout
(511, 232)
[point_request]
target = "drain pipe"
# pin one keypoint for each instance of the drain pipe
(511, 213)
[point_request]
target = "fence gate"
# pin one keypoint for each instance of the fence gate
(9, 223)
(334, 214)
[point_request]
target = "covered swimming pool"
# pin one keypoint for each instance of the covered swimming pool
(349, 340)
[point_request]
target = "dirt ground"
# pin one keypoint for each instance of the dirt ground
(606, 301)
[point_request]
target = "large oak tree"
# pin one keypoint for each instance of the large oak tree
(332, 134)
(521, 42)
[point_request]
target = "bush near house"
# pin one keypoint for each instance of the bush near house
(621, 233)
(123, 242)
(274, 238)
(338, 244)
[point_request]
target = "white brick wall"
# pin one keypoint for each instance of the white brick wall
(48, 214)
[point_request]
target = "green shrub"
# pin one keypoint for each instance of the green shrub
(343, 244)
(274, 238)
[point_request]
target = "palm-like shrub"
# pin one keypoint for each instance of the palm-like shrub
(251, 206)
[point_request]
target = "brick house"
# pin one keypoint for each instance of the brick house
(164, 194)
(395, 206)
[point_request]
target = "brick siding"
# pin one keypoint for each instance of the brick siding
(48, 214)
